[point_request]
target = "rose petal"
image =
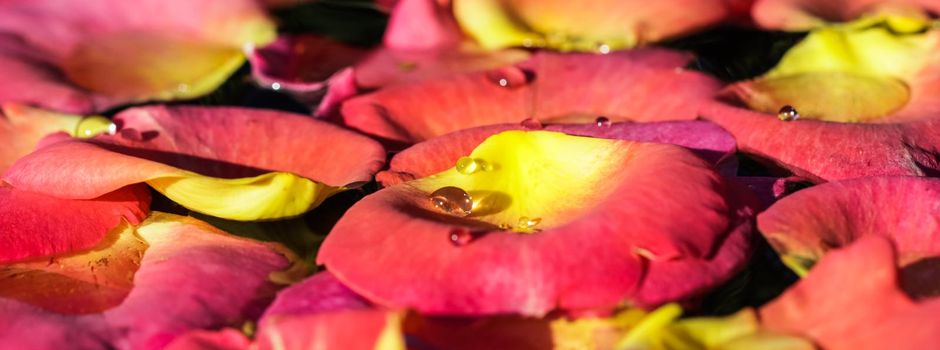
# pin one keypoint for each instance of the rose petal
(421, 25)
(268, 164)
(565, 26)
(825, 151)
(438, 154)
(226, 339)
(553, 87)
(96, 56)
(35, 225)
(801, 15)
(544, 270)
(302, 63)
(192, 276)
(805, 226)
(22, 127)
(820, 308)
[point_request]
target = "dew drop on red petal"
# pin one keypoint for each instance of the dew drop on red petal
(461, 236)
(788, 113)
(531, 124)
(510, 77)
(602, 122)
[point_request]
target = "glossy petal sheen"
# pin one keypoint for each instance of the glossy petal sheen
(565, 25)
(22, 127)
(806, 225)
(34, 225)
(438, 154)
(578, 256)
(264, 164)
(798, 15)
(191, 276)
(819, 307)
(551, 87)
(95, 56)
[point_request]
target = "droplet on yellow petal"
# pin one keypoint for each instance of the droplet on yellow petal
(85, 282)
(828, 96)
(92, 126)
(270, 196)
(536, 180)
(151, 66)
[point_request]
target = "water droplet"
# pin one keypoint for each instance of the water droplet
(788, 113)
(504, 226)
(467, 165)
(602, 122)
(531, 124)
(527, 224)
(92, 126)
(511, 77)
(182, 87)
(452, 200)
(275, 86)
(461, 236)
(603, 48)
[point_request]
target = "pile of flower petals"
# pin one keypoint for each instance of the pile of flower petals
(478, 174)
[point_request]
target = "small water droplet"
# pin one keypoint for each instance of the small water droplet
(531, 124)
(275, 86)
(511, 77)
(527, 224)
(92, 126)
(603, 48)
(467, 165)
(602, 122)
(182, 87)
(504, 226)
(788, 113)
(461, 236)
(528, 43)
(452, 200)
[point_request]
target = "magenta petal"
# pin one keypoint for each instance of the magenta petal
(226, 339)
(319, 293)
(31, 78)
(421, 25)
(302, 63)
(34, 225)
(559, 88)
(192, 276)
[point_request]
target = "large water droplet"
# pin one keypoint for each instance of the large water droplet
(452, 200)
(91, 126)
(788, 113)
(467, 165)
(461, 236)
(510, 77)
(602, 122)
(531, 124)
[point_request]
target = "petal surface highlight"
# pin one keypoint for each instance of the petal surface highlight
(540, 267)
